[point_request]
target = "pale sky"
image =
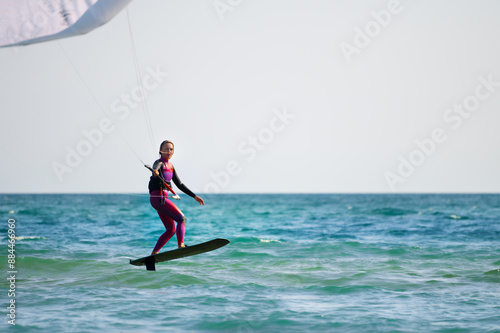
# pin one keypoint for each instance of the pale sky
(270, 96)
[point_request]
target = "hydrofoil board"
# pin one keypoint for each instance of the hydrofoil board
(150, 261)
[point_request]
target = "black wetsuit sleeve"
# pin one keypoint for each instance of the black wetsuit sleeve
(181, 186)
(157, 165)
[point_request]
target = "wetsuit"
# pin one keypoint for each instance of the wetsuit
(166, 209)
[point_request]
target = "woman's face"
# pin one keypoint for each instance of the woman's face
(167, 150)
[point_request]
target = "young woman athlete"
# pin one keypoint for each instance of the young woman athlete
(166, 209)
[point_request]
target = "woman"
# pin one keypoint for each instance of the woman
(166, 209)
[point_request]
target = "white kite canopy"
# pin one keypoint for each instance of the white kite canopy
(33, 21)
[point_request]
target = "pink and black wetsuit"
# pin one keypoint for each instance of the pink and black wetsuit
(166, 209)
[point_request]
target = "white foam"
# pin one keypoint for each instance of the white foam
(29, 237)
(269, 240)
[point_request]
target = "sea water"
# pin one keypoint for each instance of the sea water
(295, 263)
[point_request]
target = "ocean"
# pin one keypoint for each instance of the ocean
(295, 263)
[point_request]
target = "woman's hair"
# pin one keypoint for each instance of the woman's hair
(164, 143)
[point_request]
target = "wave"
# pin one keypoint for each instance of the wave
(253, 240)
(389, 211)
(456, 217)
(448, 216)
(29, 237)
(269, 241)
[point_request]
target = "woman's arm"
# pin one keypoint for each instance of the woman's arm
(157, 166)
(185, 189)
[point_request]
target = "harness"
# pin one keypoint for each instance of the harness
(160, 183)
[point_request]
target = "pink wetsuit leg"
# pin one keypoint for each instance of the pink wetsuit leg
(170, 230)
(181, 230)
(168, 213)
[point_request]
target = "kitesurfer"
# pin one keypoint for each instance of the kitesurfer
(164, 172)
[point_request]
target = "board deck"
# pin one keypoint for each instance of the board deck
(150, 261)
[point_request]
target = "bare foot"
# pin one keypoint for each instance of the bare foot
(153, 253)
(182, 245)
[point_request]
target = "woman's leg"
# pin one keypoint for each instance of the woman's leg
(181, 230)
(169, 213)
(165, 237)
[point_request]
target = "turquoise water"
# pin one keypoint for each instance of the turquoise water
(296, 263)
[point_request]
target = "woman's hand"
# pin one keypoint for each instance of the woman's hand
(200, 200)
(156, 173)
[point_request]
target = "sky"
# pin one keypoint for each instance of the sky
(260, 97)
